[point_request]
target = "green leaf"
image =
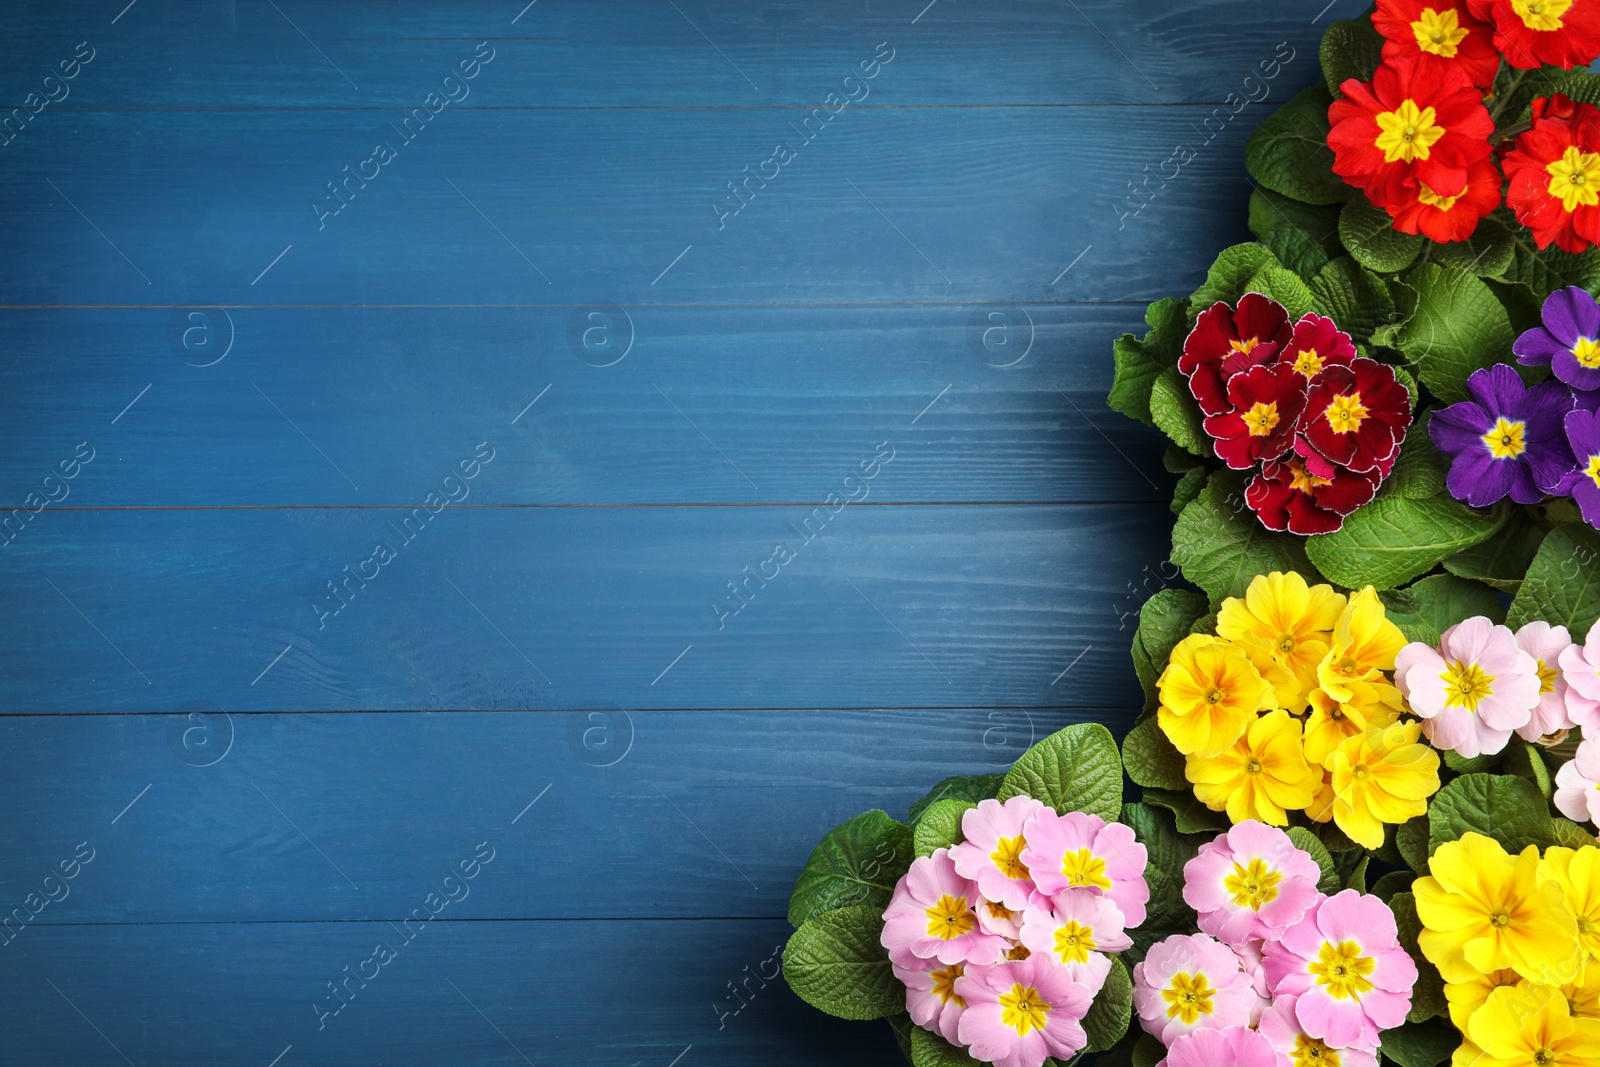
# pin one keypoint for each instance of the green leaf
(1390, 884)
(1148, 1052)
(1411, 838)
(928, 1049)
(1570, 835)
(859, 862)
(1511, 810)
(1150, 759)
(1177, 460)
(1353, 297)
(1335, 840)
(1350, 50)
(1425, 1044)
(1188, 487)
(1515, 89)
(1563, 583)
(1167, 849)
(1524, 761)
(1307, 842)
(1285, 287)
(1551, 269)
(1458, 327)
(1393, 540)
(1289, 154)
(835, 962)
(1427, 996)
(1357, 879)
(1174, 411)
(1221, 545)
(1229, 275)
(1419, 471)
(1139, 362)
(1075, 769)
(1164, 620)
(940, 826)
(1271, 212)
(1189, 815)
(1369, 233)
(1502, 561)
(1296, 251)
(1487, 253)
(1107, 1021)
(971, 788)
(1428, 607)
(1469, 764)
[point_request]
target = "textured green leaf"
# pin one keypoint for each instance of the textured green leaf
(1164, 620)
(1562, 586)
(859, 862)
(1353, 297)
(1167, 850)
(1270, 212)
(1177, 460)
(1174, 410)
(930, 1050)
(1075, 769)
(1228, 277)
(1429, 606)
(1411, 838)
(1289, 154)
(1469, 764)
(1357, 879)
(1150, 759)
(1285, 287)
(1570, 835)
(835, 962)
(1487, 253)
(1188, 487)
(1420, 471)
(1369, 233)
(1458, 327)
(940, 826)
(1148, 1052)
(1424, 1044)
(1221, 545)
(1390, 884)
(1349, 50)
(1395, 539)
(1502, 561)
(1307, 842)
(1296, 251)
(1551, 269)
(1524, 761)
(971, 788)
(1509, 809)
(1427, 996)
(1140, 361)
(1189, 815)
(1107, 1021)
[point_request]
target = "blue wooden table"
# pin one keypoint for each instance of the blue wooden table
(485, 489)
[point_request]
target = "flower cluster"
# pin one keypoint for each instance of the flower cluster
(1280, 972)
(1482, 683)
(1515, 938)
(1532, 442)
(1320, 426)
(1416, 139)
(1002, 940)
(1290, 707)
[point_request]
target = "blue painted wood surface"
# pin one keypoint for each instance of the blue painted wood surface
(577, 388)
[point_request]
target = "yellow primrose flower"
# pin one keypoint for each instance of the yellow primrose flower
(1210, 693)
(1583, 992)
(1483, 910)
(1382, 776)
(1523, 1025)
(1467, 997)
(1577, 872)
(1321, 807)
(1365, 644)
(1292, 620)
(1333, 721)
(1263, 776)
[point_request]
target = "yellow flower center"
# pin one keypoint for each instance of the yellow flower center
(1262, 419)
(944, 984)
(1074, 943)
(1594, 469)
(1343, 969)
(1547, 677)
(1252, 885)
(1406, 133)
(1587, 352)
(1507, 440)
(1544, 1056)
(1244, 345)
(1433, 199)
(1309, 362)
(1346, 413)
(1310, 1051)
(1022, 1009)
(1007, 856)
(1575, 178)
(1084, 868)
(1439, 32)
(1000, 911)
(1019, 952)
(1304, 480)
(1216, 696)
(1188, 997)
(1465, 684)
(950, 918)
(1541, 15)
(1499, 918)
(1286, 644)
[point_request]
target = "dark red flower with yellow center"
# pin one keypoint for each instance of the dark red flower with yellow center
(1451, 218)
(1553, 175)
(1267, 402)
(1532, 33)
(1355, 418)
(1441, 33)
(1227, 340)
(1287, 496)
(1315, 344)
(1413, 122)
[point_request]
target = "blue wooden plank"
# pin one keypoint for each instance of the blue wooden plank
(641, 53)
(264, 817)
(628, 207)
(584, 994)
(795, 398)
(551, 607)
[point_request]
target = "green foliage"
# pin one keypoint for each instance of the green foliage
(1151, 760)
(1304, 839)
(1074, 769)
(835, 962)
(1188, 487)
(1487, 253)
(1420, 470)
(1423, 1044)
(1270, 212)
(1228, 277)
(1164, 620)
(1107, 1021)
(940, 826)
(1394, 539)
(1457, 327)
(1509, 809)
(1189, 815)
(1140, 361)
(1369, 233)
(1426, 608)
(971, 788)
(859, 862)
(1285, 287)
(1221, 545)
(1562, 586)
(1427, 996)
(1173, 409)
(928, 1049)
(1502, 561)
(1350, 50)
(1352, 296)
(1295, 250)
(1289, 154)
